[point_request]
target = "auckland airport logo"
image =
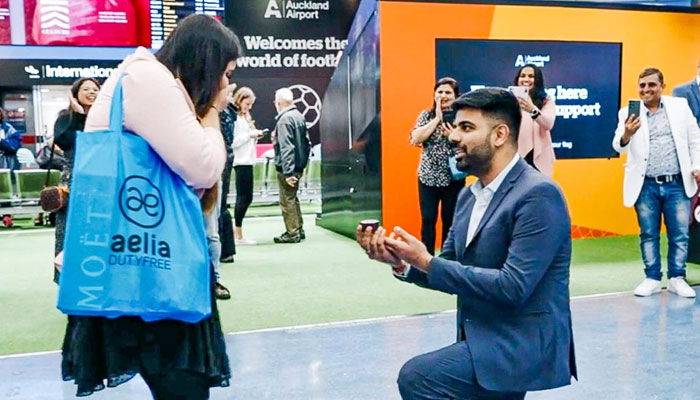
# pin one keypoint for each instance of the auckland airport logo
(538, 60)
(300, 10)
(308, 102)
(54, 17)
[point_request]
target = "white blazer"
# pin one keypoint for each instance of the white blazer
(686, 136)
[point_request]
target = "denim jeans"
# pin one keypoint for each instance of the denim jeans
(667, 199)
(211, 225)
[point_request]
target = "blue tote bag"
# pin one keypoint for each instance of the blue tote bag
(135, 242)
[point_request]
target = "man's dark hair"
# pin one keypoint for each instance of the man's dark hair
(197, 52)
(651, 71)
(495, 103)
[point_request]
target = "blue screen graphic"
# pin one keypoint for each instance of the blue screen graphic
(582, 77)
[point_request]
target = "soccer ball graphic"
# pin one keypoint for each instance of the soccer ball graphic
(308, 103)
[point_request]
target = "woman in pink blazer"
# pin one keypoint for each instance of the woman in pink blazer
(539, 112)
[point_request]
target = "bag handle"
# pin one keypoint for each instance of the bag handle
(48, 170)
(116, 111)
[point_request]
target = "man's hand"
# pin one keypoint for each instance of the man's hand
(374, 245)
(408, 248)
(632, 124)
(291, 180)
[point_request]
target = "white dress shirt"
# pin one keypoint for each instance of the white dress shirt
(483, 196)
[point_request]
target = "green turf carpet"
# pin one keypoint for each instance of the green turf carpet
(325, 278)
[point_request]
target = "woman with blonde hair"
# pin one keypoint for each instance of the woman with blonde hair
(245, 137)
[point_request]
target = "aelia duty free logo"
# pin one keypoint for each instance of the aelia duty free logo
(299, 10)
(141, 202)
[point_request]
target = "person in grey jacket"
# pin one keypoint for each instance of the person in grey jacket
(292, 147)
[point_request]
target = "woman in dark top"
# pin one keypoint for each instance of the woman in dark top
(71, 120)
(435, 184)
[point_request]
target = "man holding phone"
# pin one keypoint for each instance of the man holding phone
(662, 173)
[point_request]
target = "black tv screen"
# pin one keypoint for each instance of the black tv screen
(582, 77)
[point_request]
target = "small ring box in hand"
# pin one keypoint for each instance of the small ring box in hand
(370, 223)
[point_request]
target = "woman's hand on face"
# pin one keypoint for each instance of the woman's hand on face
(526, 103)
(221, 100)
(74, 105)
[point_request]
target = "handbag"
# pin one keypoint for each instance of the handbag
(52, 198)
(46, 159)
(135, 242)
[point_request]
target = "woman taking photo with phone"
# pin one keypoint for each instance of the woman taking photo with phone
(538, 112)
(245, 138)
(435, 184)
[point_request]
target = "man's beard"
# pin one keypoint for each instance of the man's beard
(478, 160)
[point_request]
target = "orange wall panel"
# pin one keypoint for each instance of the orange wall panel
(407, 74)
(593, 187)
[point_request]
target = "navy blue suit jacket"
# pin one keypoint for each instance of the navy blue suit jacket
(512, 283)
(691, 92)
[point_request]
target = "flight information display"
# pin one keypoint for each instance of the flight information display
(120, 23)
(165, 15)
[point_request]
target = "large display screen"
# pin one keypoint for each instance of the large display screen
(123, 23)
(582, 77)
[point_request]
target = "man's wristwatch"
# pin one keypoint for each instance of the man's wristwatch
(535, 113)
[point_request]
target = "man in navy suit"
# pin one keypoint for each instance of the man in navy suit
(691, 92)
(506, 258)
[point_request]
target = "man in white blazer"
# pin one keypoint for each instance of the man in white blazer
(661, 175)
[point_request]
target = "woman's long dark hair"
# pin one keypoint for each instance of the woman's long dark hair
(451, 82)
(197, 52)
(537, 93)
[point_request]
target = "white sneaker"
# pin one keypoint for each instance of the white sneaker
(680, 287)
(648, 287)
(245, 242)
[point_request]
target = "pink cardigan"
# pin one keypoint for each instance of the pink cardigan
(535, 135)
(158, 108)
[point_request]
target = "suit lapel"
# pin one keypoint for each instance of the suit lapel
(461, 229)
(505, 187)
(696, 93)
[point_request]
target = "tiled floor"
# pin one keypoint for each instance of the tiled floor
(627, 348)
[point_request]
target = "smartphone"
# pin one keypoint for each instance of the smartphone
(518, 91)
(448, 116)
(633, 108)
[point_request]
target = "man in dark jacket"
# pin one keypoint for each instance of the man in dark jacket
(292, 148)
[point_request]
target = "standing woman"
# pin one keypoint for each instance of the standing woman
(244, 155)
(82, 96)
(538, 112)
(435, 184)
(172, 100)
